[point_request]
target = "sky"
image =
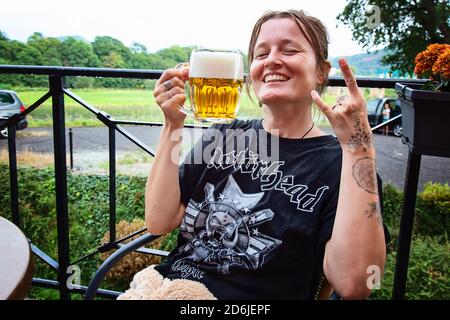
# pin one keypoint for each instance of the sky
(162, 23)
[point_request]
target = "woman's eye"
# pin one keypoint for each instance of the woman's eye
(290, 51)
(261, 55)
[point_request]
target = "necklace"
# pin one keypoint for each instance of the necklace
(303, 135)
(307, 131)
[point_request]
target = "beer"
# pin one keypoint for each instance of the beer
(215, 79)
(214, 99)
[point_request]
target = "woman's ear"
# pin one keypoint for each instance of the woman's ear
(323, 72)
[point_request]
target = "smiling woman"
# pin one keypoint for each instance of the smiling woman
(277, 227)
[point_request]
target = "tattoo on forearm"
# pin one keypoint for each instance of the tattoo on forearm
(362, 139)
(374, 210)
(364, 174)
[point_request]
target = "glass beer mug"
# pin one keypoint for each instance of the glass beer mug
(216, 78)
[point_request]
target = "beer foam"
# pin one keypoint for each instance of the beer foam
(210, 64)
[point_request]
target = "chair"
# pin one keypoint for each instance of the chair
(114, 258)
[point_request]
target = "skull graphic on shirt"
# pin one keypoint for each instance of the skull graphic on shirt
(223, 232)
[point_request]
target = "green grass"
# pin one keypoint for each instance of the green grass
(129, 159)
(136, 105)
(129, 104)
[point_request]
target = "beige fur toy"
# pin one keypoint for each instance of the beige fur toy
(149, 284)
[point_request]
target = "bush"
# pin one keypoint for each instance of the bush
(149, 84)
(433, 210)
(428, 271)
(392, 200)
(126, 268)
(88, 222)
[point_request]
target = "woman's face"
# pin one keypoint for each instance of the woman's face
(283, 70)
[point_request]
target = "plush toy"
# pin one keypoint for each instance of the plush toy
(149, 284)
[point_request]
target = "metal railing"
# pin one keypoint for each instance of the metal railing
(57, 92)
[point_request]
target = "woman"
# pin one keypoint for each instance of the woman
(249, 233)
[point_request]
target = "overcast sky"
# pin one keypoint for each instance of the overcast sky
(163, 23)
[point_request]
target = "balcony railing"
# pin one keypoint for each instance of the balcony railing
(57, 92)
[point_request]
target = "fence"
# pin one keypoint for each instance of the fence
(57, 92)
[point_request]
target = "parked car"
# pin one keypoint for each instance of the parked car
(375, 108)
(10, 104)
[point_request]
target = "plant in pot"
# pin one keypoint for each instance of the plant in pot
(426, 108)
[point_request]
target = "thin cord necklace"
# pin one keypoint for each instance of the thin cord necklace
(307, 131)
(303, 135)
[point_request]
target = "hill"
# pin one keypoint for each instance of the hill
(367, 64)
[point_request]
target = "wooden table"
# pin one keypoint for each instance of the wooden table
(16, 263)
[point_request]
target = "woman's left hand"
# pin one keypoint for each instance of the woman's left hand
(348, 116)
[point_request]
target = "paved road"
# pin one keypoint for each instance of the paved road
(391, 153)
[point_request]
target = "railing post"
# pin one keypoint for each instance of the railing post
(62, 215)
(112, 183)
(71, 148)
(13, 175)
(406, 225)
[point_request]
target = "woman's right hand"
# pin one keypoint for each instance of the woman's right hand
(170, 95)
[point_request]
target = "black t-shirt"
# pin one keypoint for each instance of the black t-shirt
(258, 213)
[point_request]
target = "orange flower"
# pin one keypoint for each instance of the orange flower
(434, 62)
(442, 65)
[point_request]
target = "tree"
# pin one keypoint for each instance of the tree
(9, 50)
(48, 47)
(140, 61)
(76, 53)
(3, 36)
(138, 48)
(71, 52)
(156, 62)
(405, 27)
(35, 37)
(113, 60)
(30, 56)
(175, 54)
(104, 46)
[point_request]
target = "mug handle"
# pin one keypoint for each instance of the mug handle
(182, 108)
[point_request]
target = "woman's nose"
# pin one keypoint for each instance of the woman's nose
(273, 59)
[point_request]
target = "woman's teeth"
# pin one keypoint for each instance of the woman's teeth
(274, 77)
